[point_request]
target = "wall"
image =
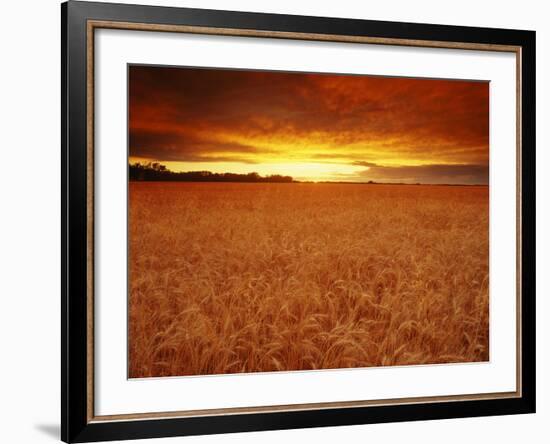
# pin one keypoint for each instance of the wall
(29, 223)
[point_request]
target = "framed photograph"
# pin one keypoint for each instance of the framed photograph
(275, 221)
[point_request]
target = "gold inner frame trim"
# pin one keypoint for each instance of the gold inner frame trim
(97, 24)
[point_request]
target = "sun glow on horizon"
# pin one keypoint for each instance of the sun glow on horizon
(305, 171)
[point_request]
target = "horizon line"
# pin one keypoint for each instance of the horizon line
(160, 170)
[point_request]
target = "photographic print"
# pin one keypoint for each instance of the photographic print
(284, 221)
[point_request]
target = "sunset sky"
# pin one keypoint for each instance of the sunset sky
(310, 126)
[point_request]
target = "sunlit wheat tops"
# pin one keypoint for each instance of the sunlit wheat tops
(250, 277)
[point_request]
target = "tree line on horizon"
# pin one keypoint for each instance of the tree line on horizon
(154, 171)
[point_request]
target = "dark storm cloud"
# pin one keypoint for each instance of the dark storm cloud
(444, 174)
(184, 147)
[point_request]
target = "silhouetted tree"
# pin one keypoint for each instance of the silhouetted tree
(154, 171)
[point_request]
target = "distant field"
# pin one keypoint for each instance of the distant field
(230, 278)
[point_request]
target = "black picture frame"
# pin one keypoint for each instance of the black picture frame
(76, 424)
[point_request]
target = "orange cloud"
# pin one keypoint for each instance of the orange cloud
(217, 117)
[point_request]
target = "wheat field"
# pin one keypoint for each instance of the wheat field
(243, 277)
